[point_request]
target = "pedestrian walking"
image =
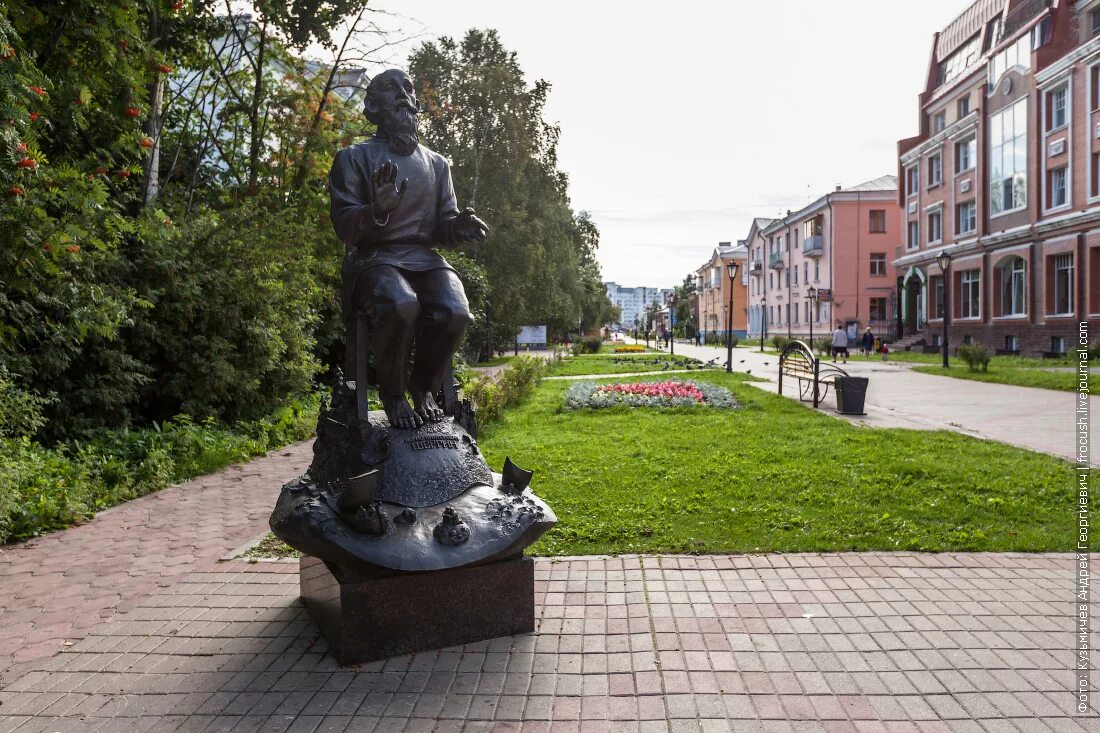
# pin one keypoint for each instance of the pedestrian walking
(840, 342)
(866, 347)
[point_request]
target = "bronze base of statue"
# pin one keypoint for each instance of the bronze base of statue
(365, 620)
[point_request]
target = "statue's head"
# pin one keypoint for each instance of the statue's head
(391, 105)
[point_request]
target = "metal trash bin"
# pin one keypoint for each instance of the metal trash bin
(851, 392)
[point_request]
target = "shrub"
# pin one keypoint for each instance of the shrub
(592, 344)
(52, 488)
(491, 397)
(779, 342)
(630, 349)
(976, 356)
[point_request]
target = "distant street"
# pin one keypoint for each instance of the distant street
(1039, 419)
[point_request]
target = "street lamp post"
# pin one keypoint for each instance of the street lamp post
(763, 321)
(811, 293)
(731, 269)
(672, 326)
(944, 261)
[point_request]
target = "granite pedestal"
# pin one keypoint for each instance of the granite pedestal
(367, 619)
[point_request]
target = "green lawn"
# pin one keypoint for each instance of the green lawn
(617, 364)
(1042, 378)
(774, 476)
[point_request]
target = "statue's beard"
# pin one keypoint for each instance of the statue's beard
(399, 129)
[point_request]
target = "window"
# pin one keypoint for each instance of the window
(935, 226)
(1094, 174)
(1056, 108)
(787, 310)
(878, 263)
(1094, 87)
(939, 122)
(936, 340)
(1094, 16)
(1013, 289)
(968, 340)
(1041, 33)
(817, 270)
(966, 154)
(954, 65)
(1018, 54)
(937, 297)
(795, 271)
(1011, 343)
(912, 180)
(966, 217)
(806, 272)
(1058, 344)
(1063, 284)
(814, 227)
(963, 106)
(935, 170)
(913, 240)
(970, 297)
(1008, 159)
(878, 221)
(879, 309)
(1056, 187)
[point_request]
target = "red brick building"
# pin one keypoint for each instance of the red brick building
(1005, 177)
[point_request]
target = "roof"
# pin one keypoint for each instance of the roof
(882, 183)
(962, 28)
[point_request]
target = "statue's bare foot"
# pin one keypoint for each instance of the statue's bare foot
(400, 414)
(426, 407)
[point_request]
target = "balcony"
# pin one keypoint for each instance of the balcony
(813, 246)
(775, 261)
(756, 267)
(1021, 15)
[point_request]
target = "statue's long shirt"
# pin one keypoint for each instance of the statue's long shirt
(410, 231)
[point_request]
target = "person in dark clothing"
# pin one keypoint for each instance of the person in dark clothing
(867, 344)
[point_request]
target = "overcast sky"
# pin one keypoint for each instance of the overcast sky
(681, 121)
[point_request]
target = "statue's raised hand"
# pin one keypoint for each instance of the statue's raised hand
(387, 194)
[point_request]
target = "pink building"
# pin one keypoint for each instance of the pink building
(841, 246)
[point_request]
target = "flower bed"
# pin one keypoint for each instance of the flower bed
(630, 349)
(666, 393)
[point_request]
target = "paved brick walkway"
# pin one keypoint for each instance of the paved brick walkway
(831, 643)
(55, 588)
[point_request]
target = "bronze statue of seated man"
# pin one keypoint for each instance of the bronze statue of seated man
(392, 202)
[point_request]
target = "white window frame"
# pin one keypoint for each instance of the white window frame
(970, 281)
(972, 205)
(1060, 268)
(1010, 268)
(970, 145)
(1017, 139)
(935, 165)
(912, 240)
(938, 229)
(1055, 205)
(1062, 90)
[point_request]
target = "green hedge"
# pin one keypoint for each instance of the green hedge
(490, 396)
(44, 489)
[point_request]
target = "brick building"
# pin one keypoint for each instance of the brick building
(840, 245)
(1005, 178)
(712, 291)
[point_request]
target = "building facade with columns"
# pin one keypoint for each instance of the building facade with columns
(840, 246)
(1004, 178)
(712, 291)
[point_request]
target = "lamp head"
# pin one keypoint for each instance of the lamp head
(944, 261)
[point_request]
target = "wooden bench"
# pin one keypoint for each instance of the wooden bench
(798, 362)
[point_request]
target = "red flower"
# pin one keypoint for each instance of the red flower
(38, 90)
(124, 43)
(27, 163)
(14, 191)
(21, 146)
(101, 170)
(132, 112)
(74, 248)
(146, 142)
(122, 173)
(35, 116)
(166, 222)
(9, 52)
(177, 5)
(164, 68)
(47, 247)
